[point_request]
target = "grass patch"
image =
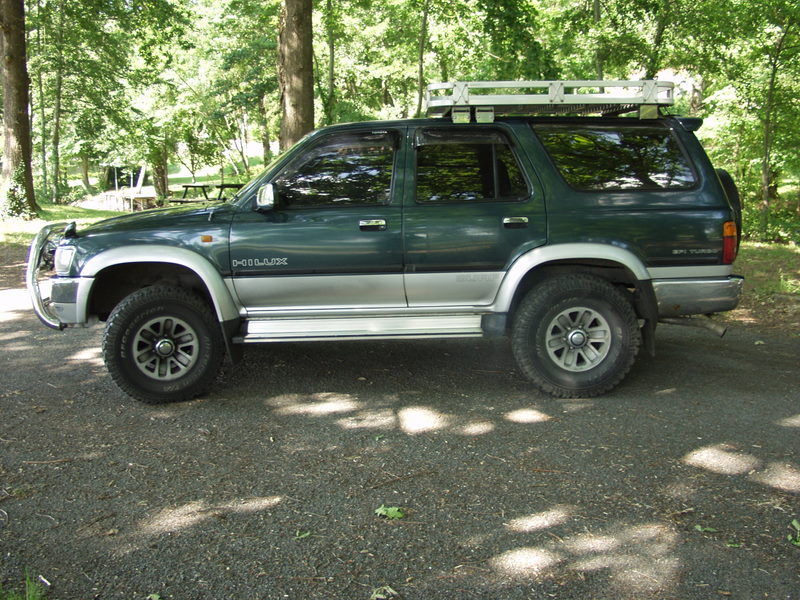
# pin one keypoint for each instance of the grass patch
(33, 591)
(769, 269)
(772, 286)
(21, 233)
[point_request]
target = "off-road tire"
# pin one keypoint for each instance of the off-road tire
(591, 330)
(163, 344)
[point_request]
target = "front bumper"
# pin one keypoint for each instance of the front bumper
(697, 296)
(40, 268)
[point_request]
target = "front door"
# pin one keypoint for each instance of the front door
(334, 238)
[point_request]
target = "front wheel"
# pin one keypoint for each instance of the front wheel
(575, 336)
(162, 344)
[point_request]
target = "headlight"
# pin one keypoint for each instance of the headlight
(63, 259)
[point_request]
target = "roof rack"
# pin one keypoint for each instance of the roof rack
(487, 98)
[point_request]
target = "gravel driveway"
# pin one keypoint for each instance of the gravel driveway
(680, 484)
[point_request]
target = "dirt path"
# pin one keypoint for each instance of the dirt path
(680, 485)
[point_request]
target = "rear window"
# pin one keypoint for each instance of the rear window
(596, 157)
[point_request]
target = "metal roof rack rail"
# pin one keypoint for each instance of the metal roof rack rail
(463, 100)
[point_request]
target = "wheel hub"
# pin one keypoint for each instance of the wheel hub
(576, 338)
(164, 347)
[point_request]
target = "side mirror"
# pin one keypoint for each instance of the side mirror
(265, 199)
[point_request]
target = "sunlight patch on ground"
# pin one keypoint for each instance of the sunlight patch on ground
(543, 520)
(192, 513)
(780, 476)
(383, 418)
(93, 356)
(527, 415)
(421, 419)
(328, 403)
(639, 559)
(722, 459)
(477, 428)
(790, 421)
(525, 562)
(13, 302)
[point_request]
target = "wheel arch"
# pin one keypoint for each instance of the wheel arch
(122, 270)
(619, 266)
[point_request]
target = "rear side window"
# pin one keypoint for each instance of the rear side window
(623, 157)
(467, 165)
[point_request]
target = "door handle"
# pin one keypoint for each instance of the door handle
(372, 225)
(515, 222)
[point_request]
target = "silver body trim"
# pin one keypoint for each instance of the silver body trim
(677, 297)
(717, 271)
(265, 295)
(452, 289)
(372, 327)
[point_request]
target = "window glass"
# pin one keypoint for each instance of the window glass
(617, 158)
(353, 169)
(467, 166)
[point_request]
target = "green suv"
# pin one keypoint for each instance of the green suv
(571, 235)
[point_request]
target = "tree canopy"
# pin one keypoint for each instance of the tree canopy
(195, 82)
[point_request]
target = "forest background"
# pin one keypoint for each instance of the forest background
(195, 82)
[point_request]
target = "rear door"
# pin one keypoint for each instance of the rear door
(471, 211)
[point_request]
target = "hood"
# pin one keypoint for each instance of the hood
(159, 217)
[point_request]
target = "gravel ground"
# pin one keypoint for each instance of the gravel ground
(682, 484)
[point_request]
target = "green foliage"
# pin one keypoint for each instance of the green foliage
(169, 80)
(15, 205)
(390, 512)
(384, 592)
(33, 591)
(794, 537)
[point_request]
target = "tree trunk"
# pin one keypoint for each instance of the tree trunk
(16, 180)
(331, 99)
(85, 173)
(767, 123)
(423, 38)
(598, 58)
(296, 71)
(40, 90)
(59, 84)
(266, 151)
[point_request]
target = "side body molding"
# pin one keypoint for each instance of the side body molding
(545, 254)
(224, 304)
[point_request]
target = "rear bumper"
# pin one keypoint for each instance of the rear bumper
(697, 296)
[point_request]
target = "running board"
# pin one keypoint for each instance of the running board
(359, 328)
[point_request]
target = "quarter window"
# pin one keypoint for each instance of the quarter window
(467, 166)
(617, 158)
(345, 170)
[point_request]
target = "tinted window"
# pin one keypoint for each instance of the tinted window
(617, 158)
(467, 166)
(341, 170)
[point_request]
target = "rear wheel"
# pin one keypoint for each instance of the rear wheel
(163, 344)
(575, 336)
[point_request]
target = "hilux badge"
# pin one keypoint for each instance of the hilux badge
(260, 262)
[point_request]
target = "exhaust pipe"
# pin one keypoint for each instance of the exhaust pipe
(703, 322)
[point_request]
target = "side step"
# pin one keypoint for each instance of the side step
(290, 329)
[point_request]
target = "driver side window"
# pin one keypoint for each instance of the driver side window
(343, 170)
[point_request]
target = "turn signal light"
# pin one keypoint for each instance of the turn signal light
(729, 242)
